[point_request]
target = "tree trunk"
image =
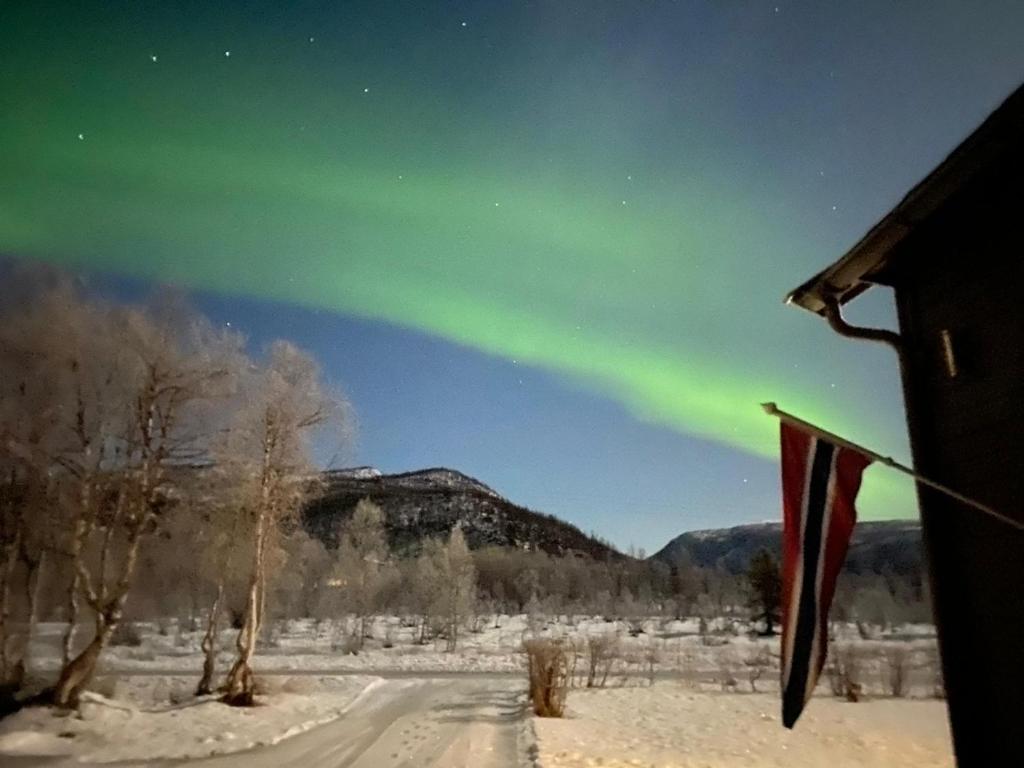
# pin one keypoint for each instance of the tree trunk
(79, 672)
(69, 634)
(6, 576)
(240, 687)
(33, 569)
(209, 645)
(240, 684)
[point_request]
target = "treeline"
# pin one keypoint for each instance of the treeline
(127, 430)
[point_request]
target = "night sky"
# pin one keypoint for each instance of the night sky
(545, 243)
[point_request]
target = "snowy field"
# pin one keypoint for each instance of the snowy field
(667, 726)
(678, 694)
(724, 654)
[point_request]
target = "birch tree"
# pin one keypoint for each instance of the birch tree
(364, 569)
(267, 452)
(446, 582)
(167, 370)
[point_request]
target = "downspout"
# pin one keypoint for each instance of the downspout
(834, 315)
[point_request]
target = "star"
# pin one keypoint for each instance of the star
(399, 177)
(312, 39)
(81, 137)
(623, 202)
(152, 57)
(497, 205)
(227, 54)
(366, 90)
(834, 207)
(744, 479)
(463, 23)
(629, 178)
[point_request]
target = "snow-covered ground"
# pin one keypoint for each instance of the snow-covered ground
(676, 696)
(669, 725)
(666, 647)
(147, 717)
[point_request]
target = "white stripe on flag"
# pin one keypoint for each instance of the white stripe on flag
(826, 520)
(798, 571)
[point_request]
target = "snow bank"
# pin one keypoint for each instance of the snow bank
(156, 717)
(669, 725)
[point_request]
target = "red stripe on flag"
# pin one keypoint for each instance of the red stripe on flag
(820, 482)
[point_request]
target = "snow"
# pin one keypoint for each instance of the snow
(676, 648)
(356, 473)
(699, 704)
(156, 716)
(671, 725)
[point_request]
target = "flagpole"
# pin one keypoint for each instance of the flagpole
(773, 410)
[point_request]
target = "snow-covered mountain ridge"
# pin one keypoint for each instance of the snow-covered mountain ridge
(429, 502)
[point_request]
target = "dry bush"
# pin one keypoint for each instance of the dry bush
(652, 657)
(346, 645)
(756, 662)
(602, 652)
(931, 667)
(844, 672)
(127, 634)
(727, 664)
(896, 666)
(549, 665)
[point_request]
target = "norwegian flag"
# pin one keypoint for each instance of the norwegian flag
(820, 481)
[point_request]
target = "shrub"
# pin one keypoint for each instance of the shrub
(844, 670)
(602, 651)
(897, 668)
(127, 634)
(549, 670)
(652, 657)
(756, 662)
(347, 645)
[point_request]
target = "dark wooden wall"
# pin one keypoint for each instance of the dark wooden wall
(963, 272)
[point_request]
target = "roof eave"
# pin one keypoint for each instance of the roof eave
(853, 273)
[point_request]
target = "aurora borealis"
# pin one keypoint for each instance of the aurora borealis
(612, 196)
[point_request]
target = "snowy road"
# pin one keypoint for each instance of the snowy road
(442, 723)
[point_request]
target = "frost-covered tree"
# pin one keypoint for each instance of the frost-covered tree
(168, 367)
(364, 569)
(266, 453)
(452, 567)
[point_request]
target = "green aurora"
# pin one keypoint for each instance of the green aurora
(548, 230)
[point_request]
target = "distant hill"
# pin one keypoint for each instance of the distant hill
(876, 547)
(428, 502)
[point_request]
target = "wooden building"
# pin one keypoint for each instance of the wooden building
(953, 252)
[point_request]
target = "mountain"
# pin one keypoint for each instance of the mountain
(876, 547)
(429, 502)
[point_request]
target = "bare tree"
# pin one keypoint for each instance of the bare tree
(363, 569)
(458, 585)
(166, 370)
(32, 402)
(267, 454)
